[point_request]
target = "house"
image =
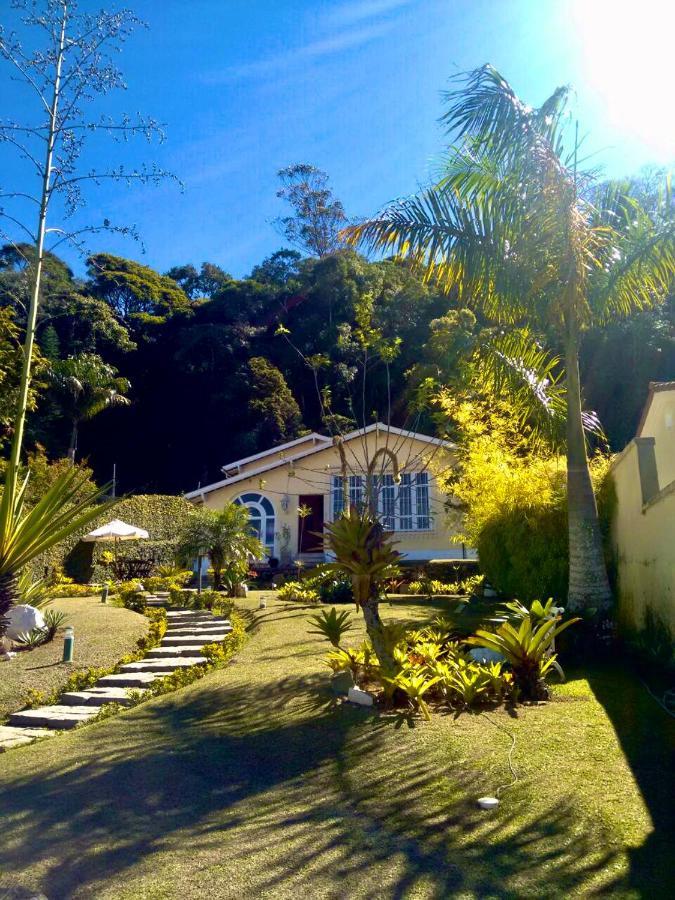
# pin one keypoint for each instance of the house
(643, 526)
(292, 490)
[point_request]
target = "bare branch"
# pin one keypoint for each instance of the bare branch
(18, 223)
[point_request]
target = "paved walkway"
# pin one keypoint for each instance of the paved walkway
(187, 632)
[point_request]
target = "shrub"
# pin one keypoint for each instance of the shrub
(336, 590)
(332, 625)
(132, 596)
(514, 494)
(298, 591)
(167, 582)
(70, 590)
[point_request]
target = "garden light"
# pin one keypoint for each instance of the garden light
(68, 643)
(104, 593)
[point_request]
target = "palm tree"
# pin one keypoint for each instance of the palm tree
(519, 231)
(86, 385)
(225, 536)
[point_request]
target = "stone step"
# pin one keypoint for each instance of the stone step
(137, 680)
(53, 716)
(172, 650)
(163, 665)
(198, 627)
(97, 696)
(175, 621)
(196, 640)
(11, 737)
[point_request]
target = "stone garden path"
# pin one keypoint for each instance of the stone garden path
(187, 632)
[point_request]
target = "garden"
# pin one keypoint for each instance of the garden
(180, 715)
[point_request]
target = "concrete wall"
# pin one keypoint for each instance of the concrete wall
(643, 530)
(313, 474)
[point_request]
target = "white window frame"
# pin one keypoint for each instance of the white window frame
(266, 518)
(404, 507)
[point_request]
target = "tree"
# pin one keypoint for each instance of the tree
(225, 536)
(135, 292)
(196, 284)
(69, 66)
(277, 414)
(512, 228)
(317, 216)
(85, 386)
(278, 269)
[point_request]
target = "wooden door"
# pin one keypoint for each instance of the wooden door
(310, 527)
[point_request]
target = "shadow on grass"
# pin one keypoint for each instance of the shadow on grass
(647, 738)
(269, 789)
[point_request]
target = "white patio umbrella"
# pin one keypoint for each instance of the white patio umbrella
(116, 531)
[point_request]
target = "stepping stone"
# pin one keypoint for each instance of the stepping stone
(97, 696)
(128, 679)
(53, 716)
(171, 651)
(194, 640)
(16, 737)
(163, 665)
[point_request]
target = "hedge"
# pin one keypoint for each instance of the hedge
(161, 515)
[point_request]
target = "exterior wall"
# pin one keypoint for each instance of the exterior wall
(643, 530)
(313, 475)
(660, 424)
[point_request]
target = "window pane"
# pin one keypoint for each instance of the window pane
(387, 502)
(405, 504)
(338, 500)
(422, 501)
(356, 491)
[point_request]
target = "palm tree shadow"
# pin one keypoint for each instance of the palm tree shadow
(283, 782)
(647, 738)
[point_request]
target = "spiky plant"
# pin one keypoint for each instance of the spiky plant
(527, 649)
(364, 551)
(27, 532)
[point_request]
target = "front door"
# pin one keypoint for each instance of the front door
(310, 525)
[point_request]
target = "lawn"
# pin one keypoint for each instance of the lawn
(253, 783)
(103, 634)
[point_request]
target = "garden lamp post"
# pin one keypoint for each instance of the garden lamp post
(68, 643)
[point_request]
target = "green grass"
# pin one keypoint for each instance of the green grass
(253, 783)
(103, 634)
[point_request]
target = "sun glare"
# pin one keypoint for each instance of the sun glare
(627, 57)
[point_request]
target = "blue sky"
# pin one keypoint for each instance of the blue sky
(353, 87)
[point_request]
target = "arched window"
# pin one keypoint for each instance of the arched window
(261, 517)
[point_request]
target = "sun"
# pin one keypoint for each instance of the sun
(627, 60)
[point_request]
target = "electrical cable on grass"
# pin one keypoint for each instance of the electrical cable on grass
(514, 773)
(667, 704)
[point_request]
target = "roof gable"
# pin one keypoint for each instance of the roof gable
(326, 442)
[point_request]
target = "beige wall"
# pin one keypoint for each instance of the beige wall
(643, 530)
(660, 424)
(312, 475)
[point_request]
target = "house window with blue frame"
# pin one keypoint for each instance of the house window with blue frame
(261, 517)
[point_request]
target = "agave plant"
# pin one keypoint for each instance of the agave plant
(527, 649)
(363, 550)
(26, 533)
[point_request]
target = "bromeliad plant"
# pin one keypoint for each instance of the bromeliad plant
(528, 651)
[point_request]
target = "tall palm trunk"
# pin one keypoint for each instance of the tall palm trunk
(588, 582)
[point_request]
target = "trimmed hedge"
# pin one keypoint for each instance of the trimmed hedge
(162, 516)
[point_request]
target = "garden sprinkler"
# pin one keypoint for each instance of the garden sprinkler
(68, 643)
